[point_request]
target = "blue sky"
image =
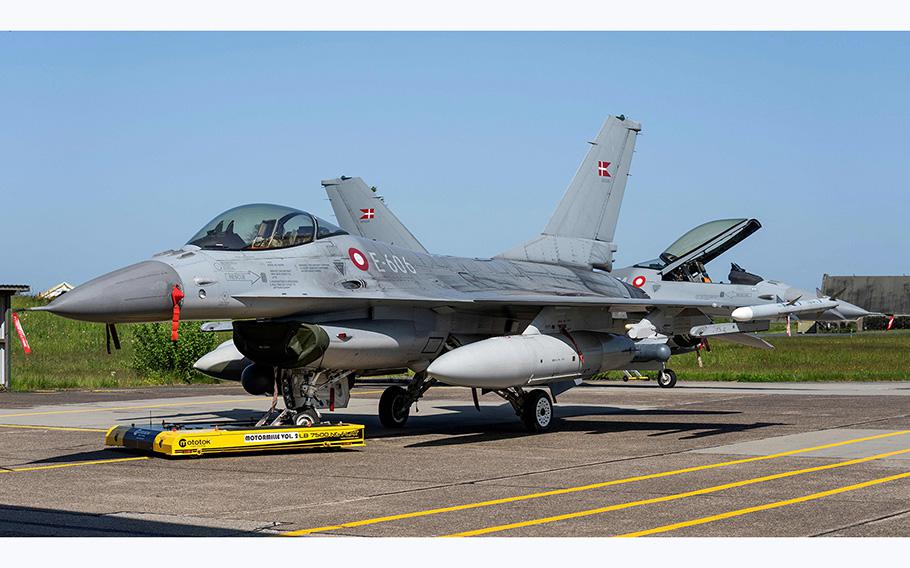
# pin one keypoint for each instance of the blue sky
(117, 146)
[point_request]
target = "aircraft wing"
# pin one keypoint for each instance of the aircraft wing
(360, 211)
(467, 302)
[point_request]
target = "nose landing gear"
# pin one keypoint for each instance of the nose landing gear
(666, 378)
(304, 392)
(307, 417)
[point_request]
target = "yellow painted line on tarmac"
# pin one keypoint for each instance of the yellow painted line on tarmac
(491, 502)
(57, 428)
(676, 496)
(767, 506)
(109, 408)
(142, 407)
(73, 464)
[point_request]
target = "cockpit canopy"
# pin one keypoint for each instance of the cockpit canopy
(685, 259)
(704, 235)
(261, 226)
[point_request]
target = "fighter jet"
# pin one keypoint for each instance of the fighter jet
(312, 306)
(680, 272)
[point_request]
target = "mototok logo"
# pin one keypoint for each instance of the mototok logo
(192, 442)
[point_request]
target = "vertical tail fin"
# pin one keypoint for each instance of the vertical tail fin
(580, 232)
(361, 212)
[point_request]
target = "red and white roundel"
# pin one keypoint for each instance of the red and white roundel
(358, 258)
(639, 281)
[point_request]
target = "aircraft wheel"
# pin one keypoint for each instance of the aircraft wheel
(666, 378)
(394, 407)
(537, 411)
(308, 417)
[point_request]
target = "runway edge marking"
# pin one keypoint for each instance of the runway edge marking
(491, 502)
(71, 464)
(110, 408)
(767, 506)
(674, 497)
(55, 428)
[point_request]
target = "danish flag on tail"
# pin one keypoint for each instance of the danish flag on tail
(602, 170)
(367, 214)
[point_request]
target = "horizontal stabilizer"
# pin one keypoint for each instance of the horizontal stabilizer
(746, 339)
(715, 329)
(734, 333)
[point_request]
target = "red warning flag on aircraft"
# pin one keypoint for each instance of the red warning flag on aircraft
(21, 332)
(602, 170)
(367, 214)
(890, 323)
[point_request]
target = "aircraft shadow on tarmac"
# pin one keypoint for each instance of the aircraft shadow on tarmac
(33, 521)
(498, 423)
(91, 455)
(465, 425)
(235, 415)
(681, 386)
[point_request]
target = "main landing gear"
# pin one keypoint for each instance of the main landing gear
(395, 402)
(535, 408)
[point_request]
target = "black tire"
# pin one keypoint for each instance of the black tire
(308, 417)
(537, 411)
(394, 407)
(666, 379)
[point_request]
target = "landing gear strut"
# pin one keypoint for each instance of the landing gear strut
(395, 402)
(298, 387)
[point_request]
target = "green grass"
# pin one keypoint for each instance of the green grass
(69, 354)
(871, 356)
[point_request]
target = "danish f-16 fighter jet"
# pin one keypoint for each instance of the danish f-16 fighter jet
(679, 272)
(311, 306)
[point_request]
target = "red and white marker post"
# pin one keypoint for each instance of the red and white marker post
(21, 333)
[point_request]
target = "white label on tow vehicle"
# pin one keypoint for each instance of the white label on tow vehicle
(266, 437)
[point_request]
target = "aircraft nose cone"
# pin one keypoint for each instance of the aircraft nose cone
(140, 292)
(850, 311)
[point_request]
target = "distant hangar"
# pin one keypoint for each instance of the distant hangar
(884, 294)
